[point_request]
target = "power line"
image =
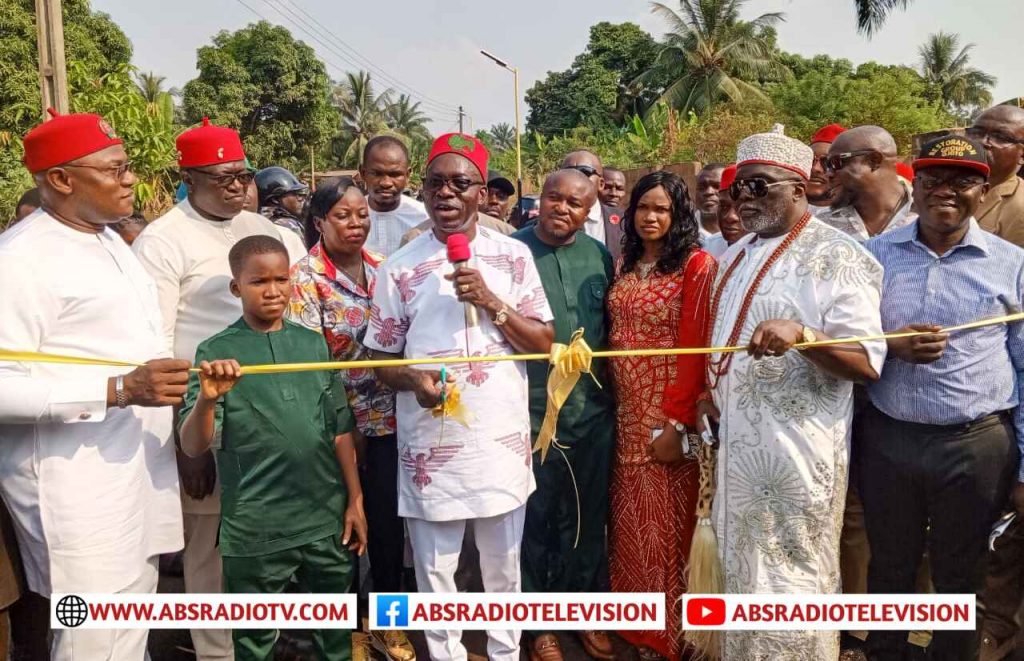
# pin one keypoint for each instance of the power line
(368, 63)
(300, 24)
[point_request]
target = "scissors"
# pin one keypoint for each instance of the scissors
(444, 380)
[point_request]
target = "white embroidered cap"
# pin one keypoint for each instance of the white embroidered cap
(777, 149)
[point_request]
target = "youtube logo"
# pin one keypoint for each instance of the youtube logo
(705, 611)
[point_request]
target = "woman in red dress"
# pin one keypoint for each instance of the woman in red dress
(659, 300)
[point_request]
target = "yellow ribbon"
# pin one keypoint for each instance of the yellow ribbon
(453, 407)
(7, 355)
(567, 363)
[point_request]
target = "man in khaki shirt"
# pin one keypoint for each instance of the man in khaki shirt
(1001, 130)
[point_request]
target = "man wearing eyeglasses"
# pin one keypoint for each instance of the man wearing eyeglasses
(602, 220)
(472, 473)
(1001, 131)
(785, 414)
(186, 252)
(939, 452)
(874, 199)
(86, 461)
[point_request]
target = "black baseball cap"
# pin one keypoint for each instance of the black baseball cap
(954, 150)
(500, 181)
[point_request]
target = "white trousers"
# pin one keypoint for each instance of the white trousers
(108, 644)
(203, 574)
(435, 550)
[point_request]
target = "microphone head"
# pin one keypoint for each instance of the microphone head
(458, 248)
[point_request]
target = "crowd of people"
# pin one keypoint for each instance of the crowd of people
(870, 466)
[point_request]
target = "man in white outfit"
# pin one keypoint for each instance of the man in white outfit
(86, 461)
(186, 253)
(453, 476)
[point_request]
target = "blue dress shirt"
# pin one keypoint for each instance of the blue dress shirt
(981, 369)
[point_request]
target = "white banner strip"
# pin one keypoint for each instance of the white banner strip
(546, 611)
(828, 612)
(203, 611)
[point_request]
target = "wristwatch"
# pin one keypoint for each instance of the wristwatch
(684, 440)
(502, 316)
(808, 336)
(120, 396)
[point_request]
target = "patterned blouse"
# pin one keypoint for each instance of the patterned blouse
(325, 299)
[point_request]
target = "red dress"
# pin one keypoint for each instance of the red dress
(652, 504)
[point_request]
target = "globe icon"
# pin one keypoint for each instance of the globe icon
(71, 610)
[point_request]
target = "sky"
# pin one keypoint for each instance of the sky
(430, 48)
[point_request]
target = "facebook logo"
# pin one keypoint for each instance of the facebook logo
(392, 610)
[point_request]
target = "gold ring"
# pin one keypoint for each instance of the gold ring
(464, 288)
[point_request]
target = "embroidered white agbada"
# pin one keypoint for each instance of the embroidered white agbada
(93, 491)
(785, 429)
(484, 470)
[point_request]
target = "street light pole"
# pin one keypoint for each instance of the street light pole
(519, 147)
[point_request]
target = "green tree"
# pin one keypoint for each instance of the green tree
(158, 100)
(709, 54)
(954, 82)
(362, 115)
(270, 87)
(601, 88)
(894, 97)
(405, 117)
(148, 136)
(90, 38)
(503, 136)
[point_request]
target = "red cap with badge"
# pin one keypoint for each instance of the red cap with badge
(208, 145)
(65, 138)
(463, 145)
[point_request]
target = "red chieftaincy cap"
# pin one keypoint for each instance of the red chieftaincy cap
(65, 138)
(208, 145)
(728, 176)
(827, 133)
(463, 145)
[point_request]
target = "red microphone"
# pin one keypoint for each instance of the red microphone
(459, 255)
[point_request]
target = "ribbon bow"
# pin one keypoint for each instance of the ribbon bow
(451, 406)
(567, 363)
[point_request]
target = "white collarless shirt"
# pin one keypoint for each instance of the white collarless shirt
(93, 491)
(388, 227)
(594, 226)
(187, 256)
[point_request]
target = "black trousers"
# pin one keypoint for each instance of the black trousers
(380, 497)
(938, 488)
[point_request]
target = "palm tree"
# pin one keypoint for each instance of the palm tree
(362, 113)
(955, 83)
(710, 54)
(871, 14)
(503, 135)
(405, 117)
(150, 85)
(159, 102)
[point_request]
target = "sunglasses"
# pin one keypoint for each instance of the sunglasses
(995, 138)
(836, 162)
(435, 183)
(756, 187)
(226, 180)
(585, 169)
(956, 184)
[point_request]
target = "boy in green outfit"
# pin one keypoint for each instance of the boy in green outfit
(285, 452)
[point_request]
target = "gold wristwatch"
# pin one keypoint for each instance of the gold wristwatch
(501, 316)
